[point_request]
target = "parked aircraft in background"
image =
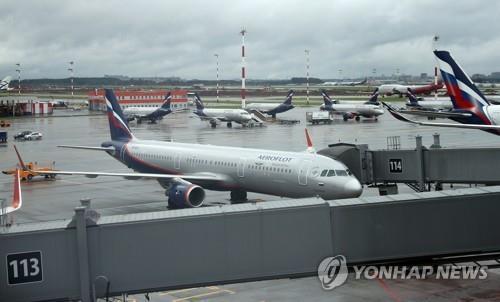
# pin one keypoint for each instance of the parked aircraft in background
(4, 84)
(368, 109)
(470, 108)
(186, 170)
(345, 83)
(390, 89)
(273, 108)
(17, 199)
(441, 103)
(149, 113)
(215, 115)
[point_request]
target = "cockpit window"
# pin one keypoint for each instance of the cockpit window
(349, 172)
(323, 173)
(331, 173)
(341, 172)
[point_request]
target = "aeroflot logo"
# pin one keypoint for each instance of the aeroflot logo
(275, 158)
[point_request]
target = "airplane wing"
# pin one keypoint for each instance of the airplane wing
(400, 117)
(17, 199)
(438, 114)
(205, 177)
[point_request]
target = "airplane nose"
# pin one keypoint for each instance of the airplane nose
(353, 188)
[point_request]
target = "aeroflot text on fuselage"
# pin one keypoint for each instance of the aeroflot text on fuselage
(275, 158)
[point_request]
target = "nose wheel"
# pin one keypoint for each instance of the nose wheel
(229, 125)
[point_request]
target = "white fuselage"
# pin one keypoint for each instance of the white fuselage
(138, 111)
(431, 103)
(262, 106)
(227, 115)
(366, 110)
(493, 113)
(280, 173)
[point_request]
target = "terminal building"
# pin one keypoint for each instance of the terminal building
(139, 98)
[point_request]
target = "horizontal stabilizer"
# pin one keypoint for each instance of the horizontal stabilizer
(88, 148)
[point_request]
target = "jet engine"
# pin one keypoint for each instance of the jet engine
(185, 195)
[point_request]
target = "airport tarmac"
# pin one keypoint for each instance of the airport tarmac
(54, 200)
(49, 200)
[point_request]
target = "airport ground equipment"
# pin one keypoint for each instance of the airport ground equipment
(420, 168)
(3, 136)
(91, 256)
(317, 117)
(29, 173)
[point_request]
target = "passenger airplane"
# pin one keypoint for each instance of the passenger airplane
(149, 113)
(390, 89)
(368, 109)
(4, 84)
(186, 170)
(345, 83)
(239, 116)
(441, 103)
(17, 199)
(470, 107)
(273, 108)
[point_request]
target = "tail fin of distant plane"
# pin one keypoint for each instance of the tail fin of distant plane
(167, 102)
(198, 102)
(327, 99)
(374, 98)
(462, 91)
(117, 122)
(4, 84)
(310, 147)
(412, 98)
(288, 100)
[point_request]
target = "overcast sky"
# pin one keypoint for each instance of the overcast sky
(180, 38)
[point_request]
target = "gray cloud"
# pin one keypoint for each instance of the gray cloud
(179, 38)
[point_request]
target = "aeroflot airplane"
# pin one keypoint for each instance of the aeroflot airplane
(390, 89)
(470, 107)
(239, 116)
(186, 170)
(152, 114)
(368, 109)
(273, 108)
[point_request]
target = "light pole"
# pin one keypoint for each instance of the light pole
(18, 77)
(307, 75)
(243, 32)
(217, 62)
(435, 39)
(71, 70)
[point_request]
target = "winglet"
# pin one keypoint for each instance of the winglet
(21, 162)
(310, 147)
(396, 114)
(17, 200)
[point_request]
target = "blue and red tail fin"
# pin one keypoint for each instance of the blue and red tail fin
(167, 102)
(373, 98)
(288, 100)
(118, 125)
(198, 102)
(462, 91)
(411, 97)
(327, 99)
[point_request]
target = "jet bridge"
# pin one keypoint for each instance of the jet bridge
(420, 168)
(90, 256)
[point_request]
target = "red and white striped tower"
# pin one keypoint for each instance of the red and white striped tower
(18, 77)
(71, 70)
(307, 74)
(242, 32)
(435, 39)
(217, 59)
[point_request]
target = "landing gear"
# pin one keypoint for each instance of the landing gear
(238, 196)
(139, 121)
(357, 118)
(213, 124)
(345, 117)
(273, 116)
(229, 125)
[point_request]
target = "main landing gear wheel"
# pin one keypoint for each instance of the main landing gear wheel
(213, 124)
(345, 117)
(357, 118)
(229, 125)
(238, 196)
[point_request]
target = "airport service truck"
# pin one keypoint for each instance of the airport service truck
(317, 117)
